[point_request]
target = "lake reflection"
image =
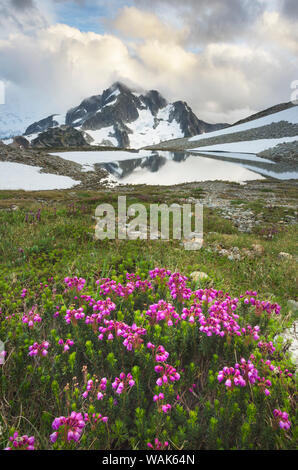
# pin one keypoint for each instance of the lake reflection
(170, 168)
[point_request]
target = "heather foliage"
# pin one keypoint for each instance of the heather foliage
(143, 359)
(112, 346)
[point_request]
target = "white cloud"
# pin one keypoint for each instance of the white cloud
(51, 67)
(137, 23)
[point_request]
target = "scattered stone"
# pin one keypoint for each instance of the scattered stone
(258, 249)
(293, 305)
(290, 335)
(283, 255)
(199, 276)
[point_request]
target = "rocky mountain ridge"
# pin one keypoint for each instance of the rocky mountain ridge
(121, 117)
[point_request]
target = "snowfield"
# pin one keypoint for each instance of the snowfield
(146, 130)
(249, 146)
(288, 115)
(19, 176)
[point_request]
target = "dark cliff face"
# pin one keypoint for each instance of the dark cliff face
(60, 137)
(154, 101)
(42, 125)
(117, 108)
(189, 123)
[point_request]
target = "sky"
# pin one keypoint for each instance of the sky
(226, 58)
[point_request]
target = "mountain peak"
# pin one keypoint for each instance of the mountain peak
(122, 117)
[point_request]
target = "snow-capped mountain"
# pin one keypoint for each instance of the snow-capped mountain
(121, 117)
(268, 129)
(11, 123)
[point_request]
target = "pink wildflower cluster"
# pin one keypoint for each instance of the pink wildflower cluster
(122, 383)
(267, 348)
(163, 311)
(191, 313)
(158, 445)
(283, 419)
(75, 283)
(24, 293)
(242, 374)
(72, 427)
(160, 273)
(97, 388)
(140, 284)
(168, 374)
(110, 287)
(165, 407)
(177, 287)
(31, 317)
(260, 306)
(66, 344)
(161, 355)
(39, 349)
(20, 442)
(131, 334)
(101, 309)
(221, 318)
(207, 295)
(73, 315)
(276, 369)
(253, 332)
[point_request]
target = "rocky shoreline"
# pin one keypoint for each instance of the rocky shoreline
(287, 152)
(56, 165)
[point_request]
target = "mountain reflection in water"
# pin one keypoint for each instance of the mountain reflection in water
(169, 168)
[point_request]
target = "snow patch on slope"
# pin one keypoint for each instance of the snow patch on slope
(250, 146)
(290, 115)
(99, 136)
(149, 130)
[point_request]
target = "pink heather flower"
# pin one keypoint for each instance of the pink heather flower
(166, 408)
(266, 347)
(159, 273)
(72, 316)
(158, 397)
(76, 283)
(101, 309)
(31, 317)
(24, 293)
(161, 354)
(66, 345)
(110, 287)
(21, 442)
(158, 445)
(131, 334)
(168, 374)
(122, 383)
(177, 286)
(39, 349)
(283, 419)
(72, 427)
(97, 388)
(163, 311)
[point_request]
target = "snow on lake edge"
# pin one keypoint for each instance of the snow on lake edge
(14, 176)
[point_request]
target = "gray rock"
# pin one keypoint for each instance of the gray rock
(293, 305)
